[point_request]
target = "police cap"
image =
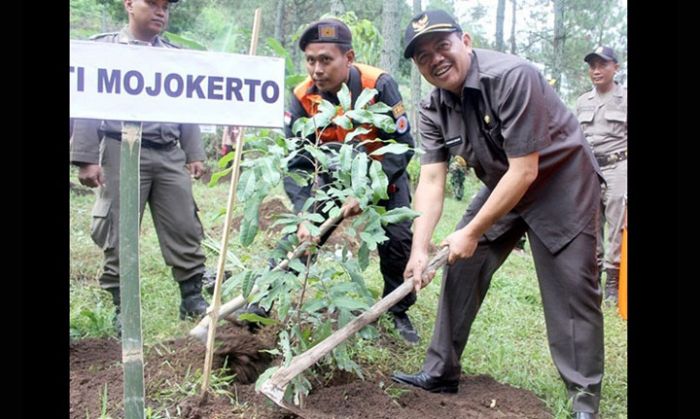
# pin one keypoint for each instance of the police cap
(331, 31)
(605, 53)
(427, 22)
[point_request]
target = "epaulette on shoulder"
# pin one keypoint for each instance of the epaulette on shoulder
(103, 35)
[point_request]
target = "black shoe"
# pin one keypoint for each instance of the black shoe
(426, 382)
(209, 280)
(251, 309)
(405, 328)
(586, 415)
(193, 304)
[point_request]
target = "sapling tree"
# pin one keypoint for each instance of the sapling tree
(326, 289)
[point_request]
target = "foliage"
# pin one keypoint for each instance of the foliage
(328, 290)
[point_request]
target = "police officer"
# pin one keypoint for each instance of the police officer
(170, 155)
(330, 62)
(500, 114)
(602, 113)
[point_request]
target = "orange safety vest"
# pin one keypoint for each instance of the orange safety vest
(334, 133)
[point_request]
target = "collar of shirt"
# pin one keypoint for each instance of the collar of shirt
(470, 82)
(616, 91)
(125, 37)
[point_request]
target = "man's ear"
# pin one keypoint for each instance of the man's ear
(128, 5)
(467, 39)
(350, 56)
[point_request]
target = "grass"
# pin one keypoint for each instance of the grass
(508, 339)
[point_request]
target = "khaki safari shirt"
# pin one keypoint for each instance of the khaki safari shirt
(508, 110)
(604, 120)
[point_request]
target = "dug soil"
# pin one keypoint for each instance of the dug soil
(96, 386)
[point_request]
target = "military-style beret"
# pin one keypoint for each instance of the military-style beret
(427, 22)
(330, 31)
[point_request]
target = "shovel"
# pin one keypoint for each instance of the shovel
(276, 385)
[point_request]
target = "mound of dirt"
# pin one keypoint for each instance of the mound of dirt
(95, 365)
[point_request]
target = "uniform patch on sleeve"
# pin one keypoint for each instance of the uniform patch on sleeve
(398, 110)
(287, 118)
(402, 124)
(453, 141)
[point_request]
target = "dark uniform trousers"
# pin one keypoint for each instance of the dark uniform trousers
(167, 187)
(570, 295)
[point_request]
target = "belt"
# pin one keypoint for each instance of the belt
(606, 159)
(147, 143)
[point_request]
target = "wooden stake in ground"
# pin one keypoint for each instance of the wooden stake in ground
(199, 332)
(216, 298)
(129, 281)
(276, 385)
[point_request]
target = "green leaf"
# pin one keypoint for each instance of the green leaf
(296, 265)
(247, 284)
(249, 225)
(344, 97)
(361, 116)
(226, 159)
(365, 97)
(254, 318)
(300, 126)
(380, 182)
(247, 185)
(321, 157)
(363, 256)
(359, 173)
(379, 107)
(343, 122)
(345, 157)
(354, 133)
(393, 148)
(270, 173)
(398, 215)
(368, 332)
(384, 122)
(312, 306)
(218, 175)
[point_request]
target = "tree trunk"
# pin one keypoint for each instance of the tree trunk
(279, 22)
(558, 43)
(391, 48)
(415, 86)
(337, 7)
(513, 48)
(500, 16)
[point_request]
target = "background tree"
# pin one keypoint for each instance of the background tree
(391, 49)
(500, 16)
(415, 85)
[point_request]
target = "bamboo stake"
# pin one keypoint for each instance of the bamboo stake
(129, 281)
(200, 330)
(276, 385)
(216, 298)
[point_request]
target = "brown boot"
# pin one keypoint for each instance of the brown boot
(611, 284)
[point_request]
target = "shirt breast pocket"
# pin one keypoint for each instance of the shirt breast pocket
(585, 117)
(616, 116)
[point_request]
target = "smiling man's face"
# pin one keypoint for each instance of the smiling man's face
(444, 58)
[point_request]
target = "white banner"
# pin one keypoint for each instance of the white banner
(127, 83)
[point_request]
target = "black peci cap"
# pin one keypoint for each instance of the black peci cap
(427, 22)
(331, 31)
(605, 53)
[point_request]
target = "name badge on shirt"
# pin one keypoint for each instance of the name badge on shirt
(453, 142)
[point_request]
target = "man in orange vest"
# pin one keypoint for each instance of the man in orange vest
(330, 62)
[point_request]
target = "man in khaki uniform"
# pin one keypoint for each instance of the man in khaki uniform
(602, 113)
(170, 155)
